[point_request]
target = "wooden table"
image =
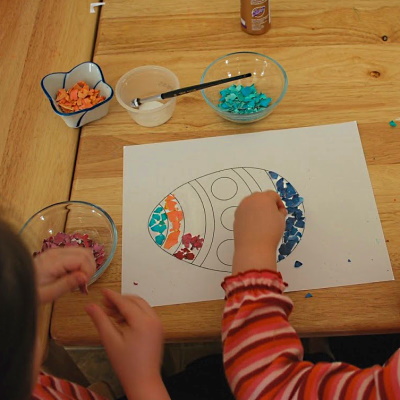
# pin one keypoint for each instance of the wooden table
(37, 149)
(342, 64)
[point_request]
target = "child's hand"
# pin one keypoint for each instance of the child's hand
(62, 270)
(258, 228)
(134, 343)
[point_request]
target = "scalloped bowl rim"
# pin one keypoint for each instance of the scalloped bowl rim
(102, 80)
(107, 262)
(252, 115)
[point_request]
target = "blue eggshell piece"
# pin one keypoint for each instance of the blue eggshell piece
(159, 239)
(298, 264)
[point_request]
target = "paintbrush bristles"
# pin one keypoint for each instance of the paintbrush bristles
(135, 103)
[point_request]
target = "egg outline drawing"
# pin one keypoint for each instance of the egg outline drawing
(191, 216)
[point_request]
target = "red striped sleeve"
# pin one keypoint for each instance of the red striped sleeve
(263, 356)
(52, 388)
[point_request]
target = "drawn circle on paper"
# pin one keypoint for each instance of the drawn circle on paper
(227, 218)
(225, 252)
(224, 188)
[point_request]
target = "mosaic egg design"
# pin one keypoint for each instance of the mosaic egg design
(194, 223)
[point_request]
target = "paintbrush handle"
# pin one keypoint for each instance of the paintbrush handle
(188, 89)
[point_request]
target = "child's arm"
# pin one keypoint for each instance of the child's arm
(134, 344)
(262, 352)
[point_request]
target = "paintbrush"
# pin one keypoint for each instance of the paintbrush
(178, 92)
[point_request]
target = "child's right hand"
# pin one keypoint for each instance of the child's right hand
(258, 228)
(134, 343)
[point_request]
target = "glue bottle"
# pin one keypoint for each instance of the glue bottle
(255, 16)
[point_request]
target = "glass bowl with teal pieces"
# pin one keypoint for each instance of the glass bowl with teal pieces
(72, 224)
(249, 99)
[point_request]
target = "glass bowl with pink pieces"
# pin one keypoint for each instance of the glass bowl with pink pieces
(72, 224)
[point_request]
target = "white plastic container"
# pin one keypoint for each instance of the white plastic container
(143, 82)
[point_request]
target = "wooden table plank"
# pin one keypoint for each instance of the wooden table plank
(339, 70)
(217, 26)
(37, 150)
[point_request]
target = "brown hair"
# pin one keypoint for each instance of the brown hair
(18, 312)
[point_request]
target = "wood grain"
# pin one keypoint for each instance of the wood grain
(339, 68)
(37, 149)
(217, 25)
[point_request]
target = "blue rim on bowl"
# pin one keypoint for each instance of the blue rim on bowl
(245, 117)
(113, 229)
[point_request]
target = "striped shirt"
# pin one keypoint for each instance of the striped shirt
(51, 388)
(263, 356)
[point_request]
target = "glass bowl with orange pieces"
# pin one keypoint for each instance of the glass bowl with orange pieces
(80, 95)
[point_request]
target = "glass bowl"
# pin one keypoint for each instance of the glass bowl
(268, 77)
(72, 217)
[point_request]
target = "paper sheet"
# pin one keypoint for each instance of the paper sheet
(179, 200)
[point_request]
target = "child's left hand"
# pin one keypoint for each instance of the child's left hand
(62, 270)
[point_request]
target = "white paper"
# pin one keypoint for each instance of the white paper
(342, 242)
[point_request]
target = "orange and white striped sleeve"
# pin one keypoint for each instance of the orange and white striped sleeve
(51, 388)
(263, 356)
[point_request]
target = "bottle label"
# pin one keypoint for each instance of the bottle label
(257, 2)
(258, 12)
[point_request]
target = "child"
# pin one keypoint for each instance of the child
(24, 284)
(262, 352)
(134, 347)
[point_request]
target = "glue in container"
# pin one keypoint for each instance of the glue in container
(255, 16)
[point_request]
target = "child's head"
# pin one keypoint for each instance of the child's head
(18, 310)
